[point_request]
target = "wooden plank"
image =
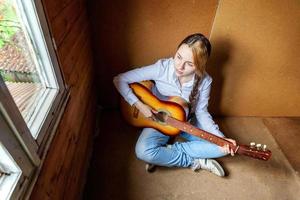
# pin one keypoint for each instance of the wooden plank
(78, 28)
(55, 7)
(66, 167)
(57, 166)
(74, 134)
(67, 138)
(79, 68)
(62, 24)
(71, 50)
(81, 155)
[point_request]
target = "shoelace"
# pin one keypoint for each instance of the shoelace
(199, 164)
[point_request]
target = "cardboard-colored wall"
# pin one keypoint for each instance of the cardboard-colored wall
(132, 33)
(255, 60)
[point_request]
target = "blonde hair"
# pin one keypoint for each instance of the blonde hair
(201, 49)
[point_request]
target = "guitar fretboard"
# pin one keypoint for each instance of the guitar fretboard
(188, 128)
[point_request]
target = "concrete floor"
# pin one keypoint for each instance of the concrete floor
(115, 173)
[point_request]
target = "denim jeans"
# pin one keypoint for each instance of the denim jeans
(152, 147)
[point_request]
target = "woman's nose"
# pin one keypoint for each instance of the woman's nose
(181, 65)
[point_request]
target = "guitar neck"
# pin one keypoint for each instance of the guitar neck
(188, 128)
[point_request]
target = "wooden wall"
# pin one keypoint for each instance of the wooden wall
(255, 62)
(63, 173)
(132, 33)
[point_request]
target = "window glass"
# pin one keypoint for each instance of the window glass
(9, 173)
(25, 65)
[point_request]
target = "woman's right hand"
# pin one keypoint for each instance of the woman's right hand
(144, 109)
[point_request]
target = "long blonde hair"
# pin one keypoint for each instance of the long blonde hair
(201, 49)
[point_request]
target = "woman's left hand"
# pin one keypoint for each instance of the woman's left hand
(226, 149)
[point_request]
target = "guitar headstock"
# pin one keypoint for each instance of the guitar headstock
(257, 151)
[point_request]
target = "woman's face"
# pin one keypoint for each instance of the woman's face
(184, 62)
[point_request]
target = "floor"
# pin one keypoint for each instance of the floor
(115, 173)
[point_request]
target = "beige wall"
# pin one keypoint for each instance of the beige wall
(255, 55)
(255, 61)
(133, 33)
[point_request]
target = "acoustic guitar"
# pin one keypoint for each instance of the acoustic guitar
(170, 119)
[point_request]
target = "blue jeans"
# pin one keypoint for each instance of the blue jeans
(152, 147)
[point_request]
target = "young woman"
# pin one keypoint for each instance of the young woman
(184, 76)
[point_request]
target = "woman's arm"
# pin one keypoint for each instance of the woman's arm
(122, 81)
(204, 119)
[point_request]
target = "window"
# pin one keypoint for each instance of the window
(9, 173)
(32, 94)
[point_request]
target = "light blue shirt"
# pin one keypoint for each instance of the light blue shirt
(167, 84)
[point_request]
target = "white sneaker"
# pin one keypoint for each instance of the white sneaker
(209, 165)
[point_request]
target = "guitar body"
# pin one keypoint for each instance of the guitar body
(175, 107)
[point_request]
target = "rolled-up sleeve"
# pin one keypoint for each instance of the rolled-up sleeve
(122, 81)
(204, 119)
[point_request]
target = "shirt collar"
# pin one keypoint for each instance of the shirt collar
(190, 83)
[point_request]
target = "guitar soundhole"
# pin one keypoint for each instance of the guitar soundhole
(161, 117)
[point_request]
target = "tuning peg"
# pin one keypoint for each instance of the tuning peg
(258, 146)
(264, 147)
(252, 144)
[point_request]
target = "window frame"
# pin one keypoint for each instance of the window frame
(50, 44)
(34, 150)
(22, 153)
